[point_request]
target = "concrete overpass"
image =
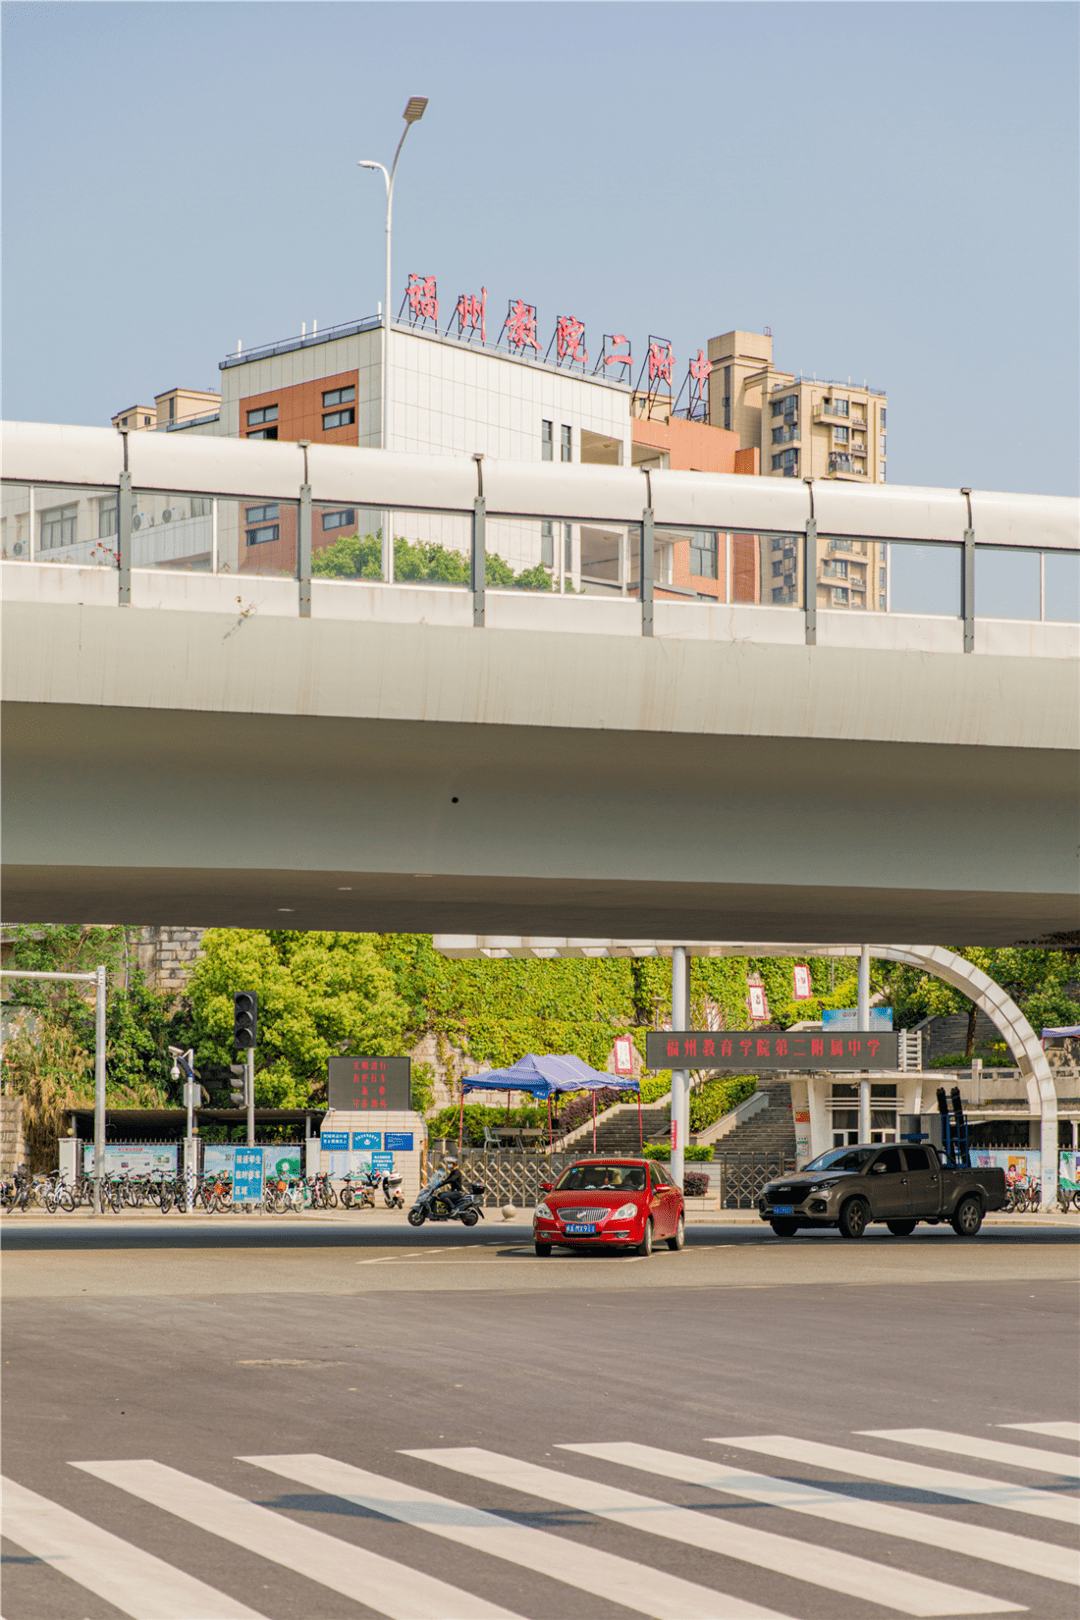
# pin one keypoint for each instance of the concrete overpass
(246, 750)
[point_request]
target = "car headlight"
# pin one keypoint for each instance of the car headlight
(543, 1213)
(625, 1212)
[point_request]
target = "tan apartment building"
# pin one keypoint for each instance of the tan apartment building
(175, 405)
(803, 427)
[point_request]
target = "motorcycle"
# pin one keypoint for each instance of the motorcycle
(433, 1205)
(358, 1191)
(391, 1190)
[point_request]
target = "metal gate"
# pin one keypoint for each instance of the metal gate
(510, 1178)
(742, 1176)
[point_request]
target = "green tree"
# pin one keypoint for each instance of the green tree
(320, 994)
(1037, 980)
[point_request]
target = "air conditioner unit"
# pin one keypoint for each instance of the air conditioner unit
(166, 516)
(136, 522)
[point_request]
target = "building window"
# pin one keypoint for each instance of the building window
(836, 407)
(339, 520)
(727, 397)
(263, 433)
(107, 516)
(840, 595)
(338, 419)
(58, 527)
(146, 421)
(546, 441)
(172, 409)
(124, 421)
(881, 602)
(547, 542)
(882, 471)
(567, 444)
(881, 578)
(262, 514)
(338, 396)
(840, 435)
(881, 445)
(265, 413)
(703, 554)
(882, 413)
(201, 505)
(787, 462)
(262, 536)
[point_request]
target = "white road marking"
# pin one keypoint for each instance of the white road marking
(605, 1575)
(382, 1584)
(917, 1476)
(1053, 1431)
(971, 1540)
(131, 1580)
(972, 1445)
(821, 1566)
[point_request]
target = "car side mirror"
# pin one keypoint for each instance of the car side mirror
(546, 1186)
(879, 1169)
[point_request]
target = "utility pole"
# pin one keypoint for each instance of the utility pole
(862, 1022)
(680, 1078)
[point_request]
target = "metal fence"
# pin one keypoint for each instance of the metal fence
(742, 1176)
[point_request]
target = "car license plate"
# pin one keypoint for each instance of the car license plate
(783, 1209)
(581, 1231)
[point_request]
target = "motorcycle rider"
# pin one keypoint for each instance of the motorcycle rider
(452, 1187)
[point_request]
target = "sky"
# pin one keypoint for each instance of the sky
(892, 188)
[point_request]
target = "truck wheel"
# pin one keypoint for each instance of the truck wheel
(784, 1228)
(901, 1228)
(968, 1217)
(853, 1218)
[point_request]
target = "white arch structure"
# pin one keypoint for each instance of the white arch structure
(944, 964)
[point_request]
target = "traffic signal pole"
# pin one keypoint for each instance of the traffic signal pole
(249, 1092)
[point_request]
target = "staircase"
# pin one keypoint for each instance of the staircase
(619, 1132)
(770, 1130)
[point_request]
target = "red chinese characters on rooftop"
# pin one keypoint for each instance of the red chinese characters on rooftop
(421, 297)
(570, 340)
(472, 314)
(661, 360)
(520, 326)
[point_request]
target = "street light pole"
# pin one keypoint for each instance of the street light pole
(414, 111)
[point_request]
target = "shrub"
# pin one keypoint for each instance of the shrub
(695, 1184)
(695, 1152)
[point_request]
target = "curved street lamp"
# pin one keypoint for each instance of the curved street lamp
(414, 111)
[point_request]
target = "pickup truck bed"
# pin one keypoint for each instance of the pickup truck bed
(852, 1187)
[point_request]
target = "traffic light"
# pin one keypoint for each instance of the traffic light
(245, 1018)
(237, 1099)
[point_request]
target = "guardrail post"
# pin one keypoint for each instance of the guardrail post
(810, 582)
(303, 558)
(648, 569)
(478, 564)
(969, 590)
(123, 537)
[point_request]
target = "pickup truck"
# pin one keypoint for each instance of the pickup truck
(852, 1186)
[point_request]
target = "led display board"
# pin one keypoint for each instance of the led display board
(751, 1051)
(355, 1084)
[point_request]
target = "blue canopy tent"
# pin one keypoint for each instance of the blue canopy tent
(543, 1077)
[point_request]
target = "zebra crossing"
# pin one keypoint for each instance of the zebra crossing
(591, 1485)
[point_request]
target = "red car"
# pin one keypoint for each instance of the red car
(625, 1203)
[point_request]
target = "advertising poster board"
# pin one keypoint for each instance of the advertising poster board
(343, 1164)
(219, 1159)
(803, 988)
(382, 1163)
(365, 1141)
(334, 1141)
(1019, 1164)
(358, 1083)
(398, 1141)
(283, 1163)
(157, 1159)
(834, 1019)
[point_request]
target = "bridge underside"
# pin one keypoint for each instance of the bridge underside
(151, 815)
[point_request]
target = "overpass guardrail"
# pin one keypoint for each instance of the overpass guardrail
(201, 522)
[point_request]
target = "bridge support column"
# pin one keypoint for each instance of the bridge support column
(862, 1021)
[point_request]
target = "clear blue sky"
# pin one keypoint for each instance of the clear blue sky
(891, 188)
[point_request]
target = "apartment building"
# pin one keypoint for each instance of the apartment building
(175, 407)
(802, 427)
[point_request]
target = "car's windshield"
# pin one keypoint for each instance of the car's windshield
(602, 1178)
(842, 1159)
